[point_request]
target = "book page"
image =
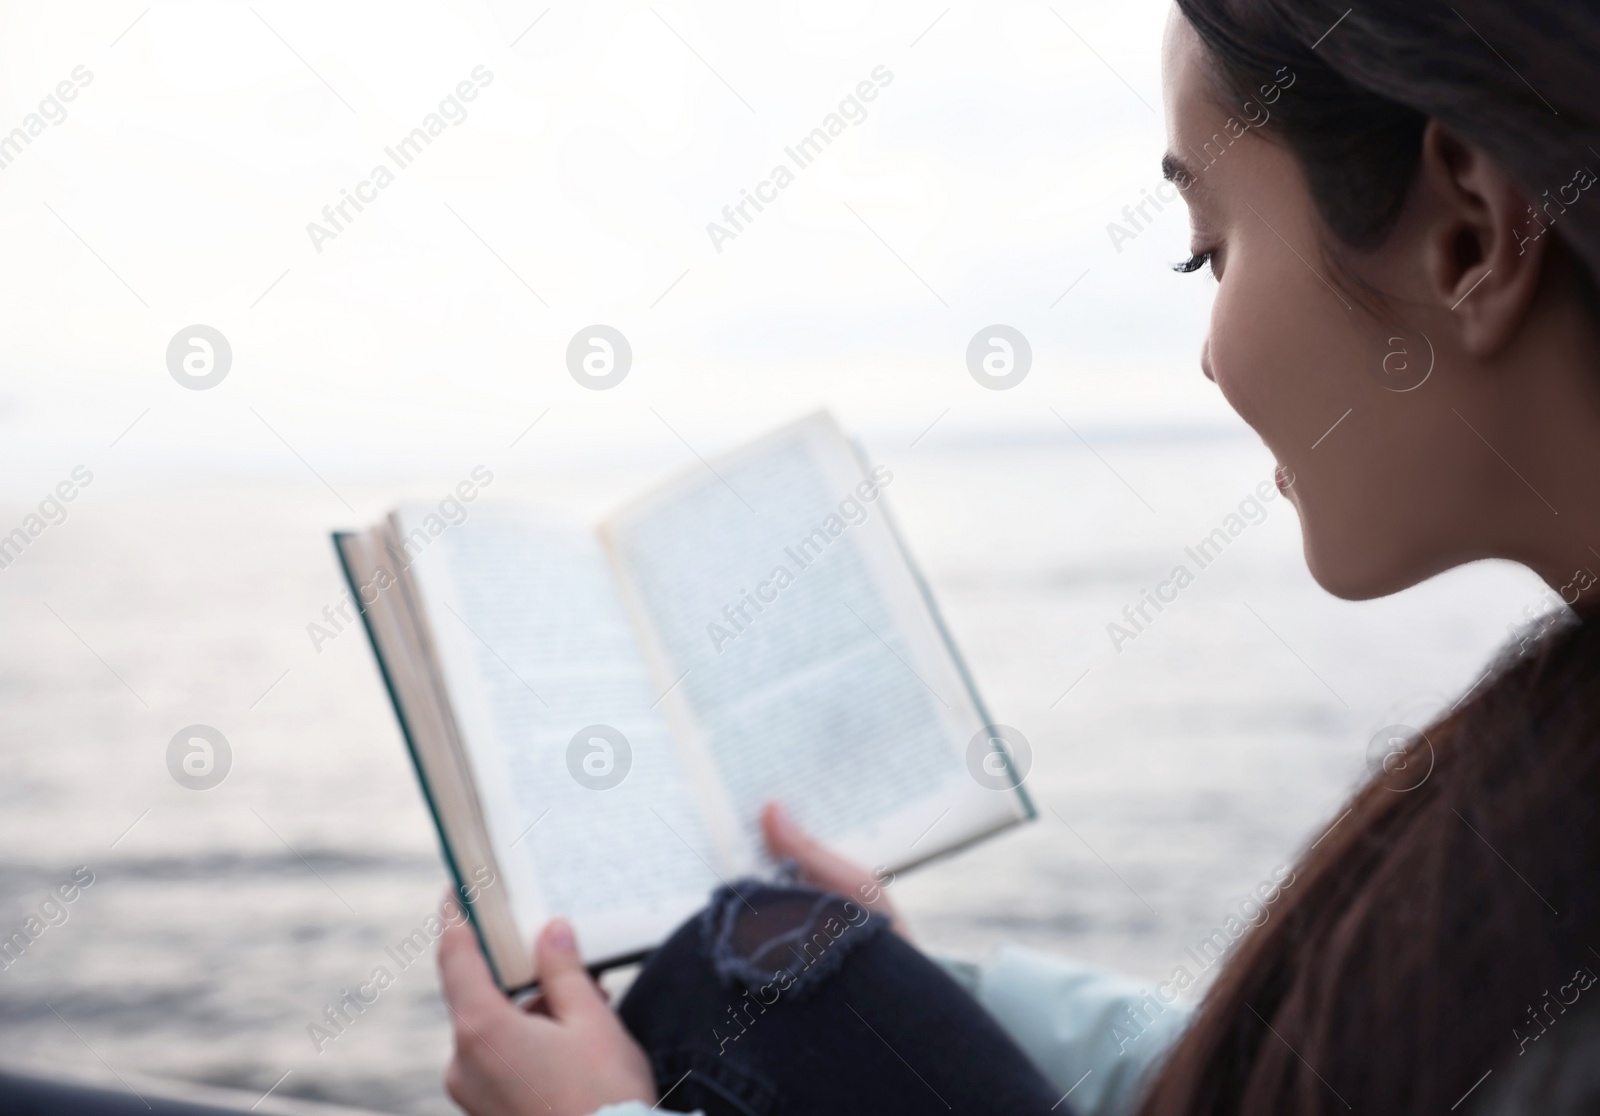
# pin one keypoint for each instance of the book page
(812, 670)
(584, 794)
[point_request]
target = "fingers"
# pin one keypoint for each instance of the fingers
(824, 868)
(469, 987)
(821, 865)
(568, 989)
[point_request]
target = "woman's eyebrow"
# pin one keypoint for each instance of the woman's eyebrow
(1174, 171)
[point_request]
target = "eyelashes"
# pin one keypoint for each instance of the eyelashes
(1193, 263)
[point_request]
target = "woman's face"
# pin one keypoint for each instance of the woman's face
(1379, 468)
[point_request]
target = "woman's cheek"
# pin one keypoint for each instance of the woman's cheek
(1276, 352)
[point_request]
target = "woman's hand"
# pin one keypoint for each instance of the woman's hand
(821, 867)
(568, 1056)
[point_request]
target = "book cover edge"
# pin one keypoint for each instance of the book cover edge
(416, 761)
(1030, 812)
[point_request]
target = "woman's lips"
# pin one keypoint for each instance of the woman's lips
(1283, 477)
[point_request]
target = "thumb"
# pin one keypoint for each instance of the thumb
(820, 864)
(568, 989)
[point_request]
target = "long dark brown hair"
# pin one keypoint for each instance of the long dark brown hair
(1434, 933)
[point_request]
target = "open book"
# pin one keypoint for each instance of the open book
(598, 715)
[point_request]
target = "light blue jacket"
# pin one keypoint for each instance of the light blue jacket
(1094, 1033)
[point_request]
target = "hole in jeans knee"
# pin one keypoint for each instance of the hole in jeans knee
(774, 940)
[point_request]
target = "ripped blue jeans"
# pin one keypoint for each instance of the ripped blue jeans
(795, 1001)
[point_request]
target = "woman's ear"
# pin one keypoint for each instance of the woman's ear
(1485, 247)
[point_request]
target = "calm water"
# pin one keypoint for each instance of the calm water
(1174, 776)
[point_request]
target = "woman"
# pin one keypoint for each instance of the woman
(1396, 204)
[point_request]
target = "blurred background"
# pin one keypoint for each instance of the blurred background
(428, 334)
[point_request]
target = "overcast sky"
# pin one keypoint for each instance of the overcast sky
(974, 189)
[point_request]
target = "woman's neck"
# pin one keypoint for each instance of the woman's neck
(1553, 386)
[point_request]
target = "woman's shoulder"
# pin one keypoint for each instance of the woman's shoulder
(1092, 1030)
